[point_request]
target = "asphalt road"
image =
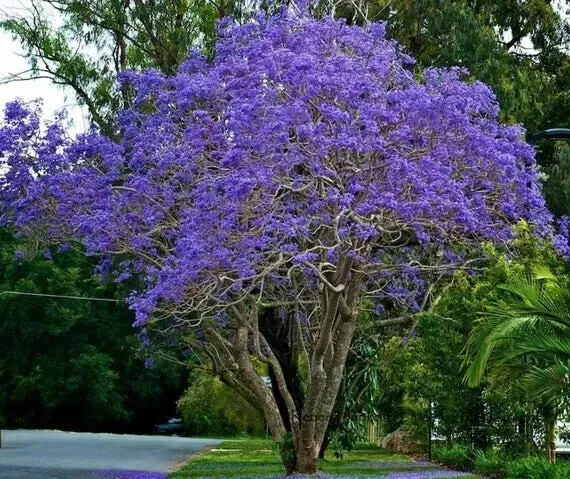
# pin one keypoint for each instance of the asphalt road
(65, 455)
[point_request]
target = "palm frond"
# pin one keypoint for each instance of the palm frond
(548, 385)
(527, 335)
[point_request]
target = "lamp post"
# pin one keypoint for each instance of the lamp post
(551, 134)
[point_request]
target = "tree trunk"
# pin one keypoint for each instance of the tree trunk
(307, 455)
(551, 436)
(324, 446)
(529, 429)
(297, 410)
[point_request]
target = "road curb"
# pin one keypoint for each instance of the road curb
(202, 452)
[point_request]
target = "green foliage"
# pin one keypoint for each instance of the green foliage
(343, 439)
(92, 41)
(73, 364)
(209, 407)
(537, 468)
(456, 457)
(526, 336)
(286, 449)
(427, 369)
(556, 166)
(491, 464)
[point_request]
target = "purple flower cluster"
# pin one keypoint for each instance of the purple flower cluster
(304, 142)
(119, 474)
(395, 464)
(426, 474)
(431, 474)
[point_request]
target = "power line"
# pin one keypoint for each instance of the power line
(88, 298)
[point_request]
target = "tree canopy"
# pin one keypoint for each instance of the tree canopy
(275, 179)
(516, 46)
(90, 42)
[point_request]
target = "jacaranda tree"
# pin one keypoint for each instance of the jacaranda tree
(304, 173)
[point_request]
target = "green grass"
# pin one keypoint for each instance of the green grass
(233, 458)
(255, 457)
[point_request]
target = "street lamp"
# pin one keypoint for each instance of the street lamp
(551, 134)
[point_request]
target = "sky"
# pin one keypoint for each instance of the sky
(54, 98)
(11, 62)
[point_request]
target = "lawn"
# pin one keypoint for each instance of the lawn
(258, 458)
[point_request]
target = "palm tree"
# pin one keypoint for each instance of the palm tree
(526, 337)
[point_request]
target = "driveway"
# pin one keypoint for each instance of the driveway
(67, 455)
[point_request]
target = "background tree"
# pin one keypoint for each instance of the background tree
(209, 407)
(274, 177)
(90, 42)
(73, 364)
(427, 368)
(526, 336)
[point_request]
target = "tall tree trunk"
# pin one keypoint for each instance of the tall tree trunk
(297, 411)
(307, 454)
(338, 323)
(550, 420)
(324, 446)
(529, 438)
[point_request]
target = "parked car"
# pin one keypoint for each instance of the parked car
(173, 427)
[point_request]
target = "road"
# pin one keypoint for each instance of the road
(64, 455)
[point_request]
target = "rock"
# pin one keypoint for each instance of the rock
(400, 441)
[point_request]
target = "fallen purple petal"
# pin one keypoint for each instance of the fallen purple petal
(431, 474)
(119, 474)
(394, 464)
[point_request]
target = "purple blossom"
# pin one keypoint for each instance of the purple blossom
(560, 240)
(379, 309)
(305, 143)
(64, 248)
(430, 474)
(395, 464)
(119, 474)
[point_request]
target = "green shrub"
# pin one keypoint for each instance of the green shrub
(537, 468)
(456, 456)
(209, 407)
(490, 464)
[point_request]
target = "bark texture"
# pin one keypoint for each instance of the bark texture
(305, 364)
